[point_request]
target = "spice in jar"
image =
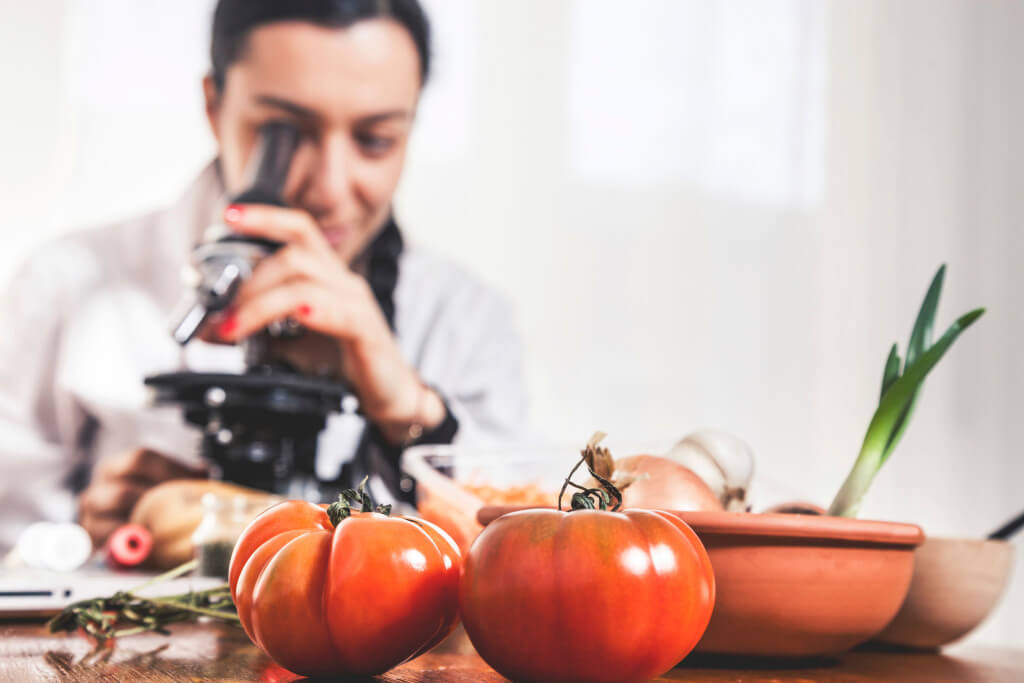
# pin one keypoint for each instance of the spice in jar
(214, 538)
(222, 523)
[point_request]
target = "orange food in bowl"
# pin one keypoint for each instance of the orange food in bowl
(460, 521)
(529, 494)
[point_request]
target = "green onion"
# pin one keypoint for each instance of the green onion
(899, 396)
(892, 369)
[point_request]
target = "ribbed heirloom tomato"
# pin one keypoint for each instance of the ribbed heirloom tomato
(327, 590)
(586, 595)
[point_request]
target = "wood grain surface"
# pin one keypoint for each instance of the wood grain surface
(217, 652)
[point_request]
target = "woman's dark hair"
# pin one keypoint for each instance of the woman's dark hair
(233, 20)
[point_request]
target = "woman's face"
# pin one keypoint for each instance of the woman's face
(351, 91)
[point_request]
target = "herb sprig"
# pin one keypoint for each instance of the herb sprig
(126, 613)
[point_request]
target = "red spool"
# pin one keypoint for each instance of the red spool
(129, 546)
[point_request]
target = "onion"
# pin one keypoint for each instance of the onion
(661, 483)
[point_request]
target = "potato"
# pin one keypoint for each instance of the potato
(171, 512)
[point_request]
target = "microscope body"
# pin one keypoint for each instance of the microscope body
(259, 428)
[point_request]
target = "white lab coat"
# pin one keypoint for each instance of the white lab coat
(88, 316)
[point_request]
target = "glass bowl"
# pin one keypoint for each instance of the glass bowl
(454, 482)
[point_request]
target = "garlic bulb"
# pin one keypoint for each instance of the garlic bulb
(723, 461)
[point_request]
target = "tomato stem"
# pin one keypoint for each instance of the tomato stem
(591, 498)
(341, 509)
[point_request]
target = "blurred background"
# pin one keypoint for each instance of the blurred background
(707, 214)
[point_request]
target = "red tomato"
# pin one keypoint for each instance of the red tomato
(586, 595)
(360, 598)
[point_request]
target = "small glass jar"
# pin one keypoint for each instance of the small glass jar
(215, 537)
(224, 519)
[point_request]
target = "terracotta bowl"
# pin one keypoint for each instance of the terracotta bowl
(956, 584)
(801, 585)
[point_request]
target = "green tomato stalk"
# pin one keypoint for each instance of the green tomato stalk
(899, 397)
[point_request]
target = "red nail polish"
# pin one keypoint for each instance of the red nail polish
(227, 326)
(233, 213)
(305, 310)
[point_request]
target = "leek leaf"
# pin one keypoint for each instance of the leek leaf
(878, 440)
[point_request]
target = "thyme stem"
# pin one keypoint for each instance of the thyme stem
(126, 613)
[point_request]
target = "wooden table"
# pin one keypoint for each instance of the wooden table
(218, 652)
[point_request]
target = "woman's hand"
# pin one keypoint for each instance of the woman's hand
(307, 281)
(117, 484)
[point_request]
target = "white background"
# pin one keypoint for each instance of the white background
(707, 214)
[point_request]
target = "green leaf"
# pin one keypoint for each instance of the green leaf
(920, 340)
(903, 390)
(921, 334)
(877, 443)
(892, 370)
(901, 425)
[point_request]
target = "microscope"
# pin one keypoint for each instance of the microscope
(260, 428)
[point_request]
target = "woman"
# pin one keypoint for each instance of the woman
(425, 347)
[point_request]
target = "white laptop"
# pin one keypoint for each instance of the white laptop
(40, 593)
